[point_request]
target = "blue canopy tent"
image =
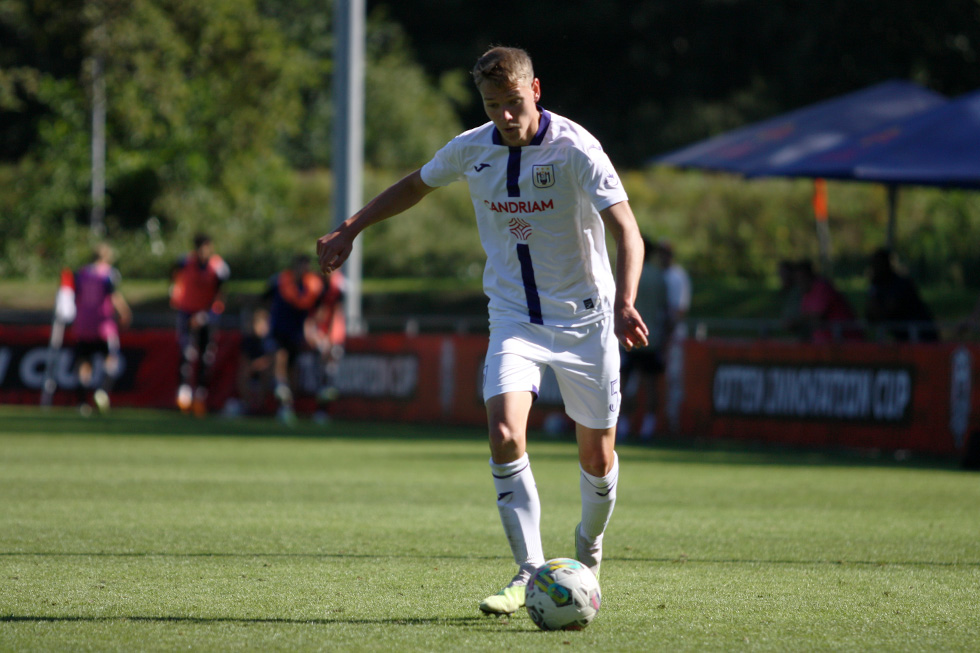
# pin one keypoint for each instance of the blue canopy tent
(769, 146)
(938, 148)
(822, 140)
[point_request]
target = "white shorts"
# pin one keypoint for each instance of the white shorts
(585, 361)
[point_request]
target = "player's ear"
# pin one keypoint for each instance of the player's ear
(536, 89)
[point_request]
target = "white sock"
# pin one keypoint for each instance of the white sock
(520, 513)
(598, 500)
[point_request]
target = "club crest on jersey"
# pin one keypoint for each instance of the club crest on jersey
(521, 230)
(543, 175)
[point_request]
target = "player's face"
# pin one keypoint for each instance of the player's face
(513, 110)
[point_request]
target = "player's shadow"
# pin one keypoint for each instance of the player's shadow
(480, 620)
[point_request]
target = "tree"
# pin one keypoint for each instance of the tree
(407, 115)
(209, 104)
(649, 75)
(198, 93)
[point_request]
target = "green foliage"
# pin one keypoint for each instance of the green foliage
(198, 95)
(207, 102)
(725, 225)
(407, 118)
(220, 119)
(647, 76)
(436, 238)
(407, 115)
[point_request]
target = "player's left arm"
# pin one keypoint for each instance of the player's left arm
(122, 309)
(629, 325)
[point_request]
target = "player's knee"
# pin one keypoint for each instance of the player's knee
(597, 461)
(596, 466)
(506, 443)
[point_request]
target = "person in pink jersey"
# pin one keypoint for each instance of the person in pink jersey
(98, 302)
(825, 312)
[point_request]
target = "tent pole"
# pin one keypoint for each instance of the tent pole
(892, 211)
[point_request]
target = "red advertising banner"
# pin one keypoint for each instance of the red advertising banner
(862, 395)
(859, 395)
(148, 376)
(426, 378)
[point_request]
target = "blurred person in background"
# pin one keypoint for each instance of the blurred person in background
(893, 301)
(292, 296)
(825, 313)
(326, 333)
(789, 293)
(195, 293)
(98, 301)
(678, 304)
(256, 359)
(644, 366)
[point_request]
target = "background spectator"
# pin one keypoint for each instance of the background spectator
(97, 302)
(894, 301)
(645, 365)
(678, 304)
(326, 333)
(196, 295)
(825, 314)
(255, 365)
(293, 294)
(789, 293)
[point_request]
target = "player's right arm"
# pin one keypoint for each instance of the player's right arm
(334, 248)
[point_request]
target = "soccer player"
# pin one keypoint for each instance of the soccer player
(97, 302)
(326, 333)
(196, 295)
(294, 293)
(544, 194)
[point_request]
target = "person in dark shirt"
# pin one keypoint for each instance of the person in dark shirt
(258, 352)
(293, 294)
(894, 302)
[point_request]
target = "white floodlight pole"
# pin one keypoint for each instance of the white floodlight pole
(348, 154)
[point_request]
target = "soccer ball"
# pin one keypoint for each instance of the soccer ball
(563, 594)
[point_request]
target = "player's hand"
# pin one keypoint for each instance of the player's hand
(332, 250)
(630, 328)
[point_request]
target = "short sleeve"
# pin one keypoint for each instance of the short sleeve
(444, 168)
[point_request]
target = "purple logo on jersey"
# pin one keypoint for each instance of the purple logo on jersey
(521, 230)
(611, 180)
(543, 175)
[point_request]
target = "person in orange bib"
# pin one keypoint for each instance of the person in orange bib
(195, 294)
(326, 333)
(293, 294)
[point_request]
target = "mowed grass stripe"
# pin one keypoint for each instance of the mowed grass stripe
(147, 531)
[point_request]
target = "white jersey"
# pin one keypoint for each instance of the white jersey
(537, 209)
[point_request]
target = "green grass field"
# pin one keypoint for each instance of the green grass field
(148, 531)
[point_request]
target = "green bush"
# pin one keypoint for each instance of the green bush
(725, 225)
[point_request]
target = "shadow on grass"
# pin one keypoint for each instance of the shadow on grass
(386, 556)
(392, 621)
(30, 420)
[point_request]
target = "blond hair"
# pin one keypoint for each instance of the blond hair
(503, 66)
